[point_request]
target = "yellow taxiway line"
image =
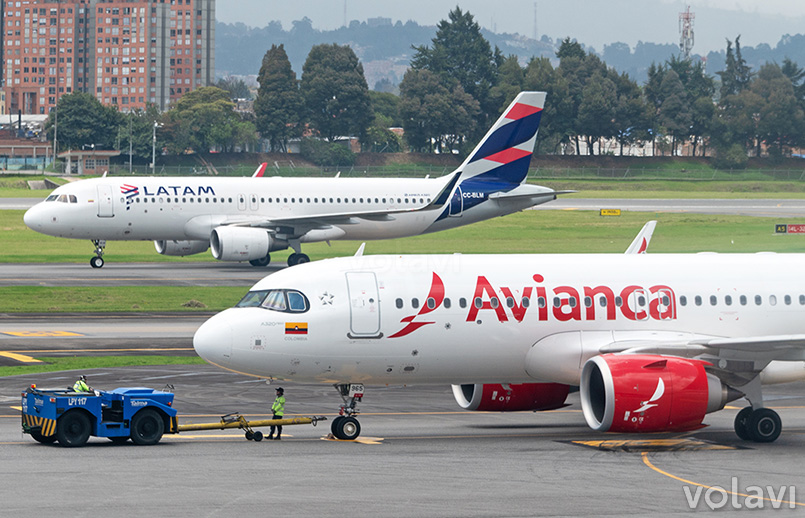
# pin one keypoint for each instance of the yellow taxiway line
(19, 357)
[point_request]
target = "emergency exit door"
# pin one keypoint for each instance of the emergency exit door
(364, 306)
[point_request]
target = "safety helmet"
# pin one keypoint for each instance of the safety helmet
(82, 378)
(280, 390)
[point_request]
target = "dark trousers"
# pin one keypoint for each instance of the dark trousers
(278, 427)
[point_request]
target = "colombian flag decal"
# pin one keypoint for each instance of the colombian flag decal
(295, 328)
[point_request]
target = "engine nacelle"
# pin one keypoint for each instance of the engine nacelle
(239, 243)
(511, 397)
(181, 248)
(649, 393)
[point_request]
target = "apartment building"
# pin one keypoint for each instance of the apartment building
(125, 52)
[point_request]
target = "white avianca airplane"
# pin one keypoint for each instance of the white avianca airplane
(654, 342)
(244, 219)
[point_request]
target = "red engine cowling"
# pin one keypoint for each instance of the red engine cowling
(511, 397)
(648, 393)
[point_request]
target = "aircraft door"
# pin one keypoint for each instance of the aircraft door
(364, 305)
(106, 207)
(456, 203)
(241, 202)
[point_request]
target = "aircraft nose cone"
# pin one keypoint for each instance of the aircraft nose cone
(213, 340)
(33, 218)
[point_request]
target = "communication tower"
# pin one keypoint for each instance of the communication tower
(686, 32)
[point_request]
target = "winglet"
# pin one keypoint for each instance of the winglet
(359, 253)
(640, 243)
(260, 170)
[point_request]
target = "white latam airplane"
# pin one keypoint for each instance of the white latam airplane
(654, 342)
(244, 219)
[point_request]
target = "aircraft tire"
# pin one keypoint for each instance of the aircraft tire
(263, 261)
(742, 423)
(147, 427)
(292, 259)
(73, 429)
(96, 262)
(302, 258)
(348, 429)
(764, 425)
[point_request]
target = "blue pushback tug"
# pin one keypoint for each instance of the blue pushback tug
(140, 414)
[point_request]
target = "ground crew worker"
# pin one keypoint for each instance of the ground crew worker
(278, 408)
(81, 385)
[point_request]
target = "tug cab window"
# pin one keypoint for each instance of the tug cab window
(287, 301)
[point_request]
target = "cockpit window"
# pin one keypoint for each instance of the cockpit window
(275, 300)
(73, 199)
(287, 301)
(62, 198)
(52, 197)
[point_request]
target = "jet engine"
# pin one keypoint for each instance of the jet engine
(649, 393)
(511, 397)
(240, 243)
(181, 248)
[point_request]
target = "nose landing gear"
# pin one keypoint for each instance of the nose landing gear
(346, 427)
(97, 261)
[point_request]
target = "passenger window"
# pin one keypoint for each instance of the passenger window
(697, 300)
(787, 300)
(572, 301)
(727, 300)
(618, 301)
(431, 303)
(602, 302)
(495, 302)
(399, 303)
(275, 300)
(773, 300)
(758, 300)
(666, 300)
(683, 300)
(802, 300)
(641, 301)
(414, 303)
(462, 303)
(525, 302)
(713, 300)
(541, 302)
(447, 303)
(588, 302)
(557, 302)
(509, 302)
(478, 302)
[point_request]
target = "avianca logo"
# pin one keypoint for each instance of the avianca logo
(658, 393)
(559, 303)
(436, 295)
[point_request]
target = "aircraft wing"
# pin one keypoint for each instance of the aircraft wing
(750, 348)
(525, 191)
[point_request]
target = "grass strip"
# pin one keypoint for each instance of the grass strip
(37, 299)
(65, 363)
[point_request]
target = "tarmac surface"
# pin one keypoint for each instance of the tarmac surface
(418, 455)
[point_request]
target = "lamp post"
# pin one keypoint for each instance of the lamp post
(154, 146)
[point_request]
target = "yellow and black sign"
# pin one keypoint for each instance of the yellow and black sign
(609, 212)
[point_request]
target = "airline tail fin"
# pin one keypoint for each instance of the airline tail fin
(640, 243)
(504, 154)
(261, 170)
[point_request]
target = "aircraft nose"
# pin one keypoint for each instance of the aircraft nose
(34, 217)
(213, 340)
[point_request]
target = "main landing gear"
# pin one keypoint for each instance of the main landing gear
(263, 261)
(295, 259)
(97, 261)
(758, 425)
(346, 427)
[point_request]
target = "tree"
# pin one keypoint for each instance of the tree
(137, 126)
(736, 74)
(674, 112)
(205, 119)
(236, 87)
(278, 108)
(781, 117)
(460, 54)
(434, 116)
(83, 121)
(510, 81)
(335, 92)
(597, 110)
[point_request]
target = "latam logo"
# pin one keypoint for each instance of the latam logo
(559, 303)
(129, 192)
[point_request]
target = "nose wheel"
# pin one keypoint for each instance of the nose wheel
(97, 261)
(346, 427)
